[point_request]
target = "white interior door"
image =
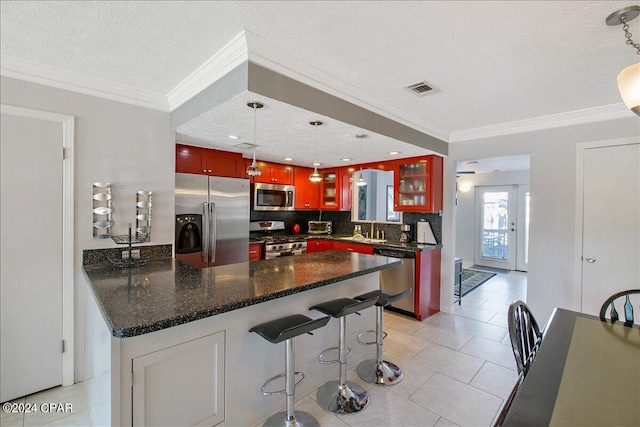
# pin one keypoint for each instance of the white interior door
(496, 212)
(611, 223)
(31, 229)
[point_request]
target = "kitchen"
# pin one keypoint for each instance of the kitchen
(111, 147)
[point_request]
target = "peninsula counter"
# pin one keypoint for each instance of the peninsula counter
(168, 343)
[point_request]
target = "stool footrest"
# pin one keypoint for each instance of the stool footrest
(325, 362)
(270, 380)
(384, 335)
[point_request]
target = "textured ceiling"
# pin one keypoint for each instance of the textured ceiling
(490, 62)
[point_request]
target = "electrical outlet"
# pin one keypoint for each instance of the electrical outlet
(135, 254)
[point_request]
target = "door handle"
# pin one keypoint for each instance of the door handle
(214, 235)
(205, 234)
(590, 259)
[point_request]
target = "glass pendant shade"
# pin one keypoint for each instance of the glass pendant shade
(361, 182)
(315, 175)
(253, 169)
(629, 87)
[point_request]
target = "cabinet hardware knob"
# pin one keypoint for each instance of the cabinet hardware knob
(590, 259)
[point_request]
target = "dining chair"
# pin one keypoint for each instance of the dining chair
(525, 335)
(627, 307)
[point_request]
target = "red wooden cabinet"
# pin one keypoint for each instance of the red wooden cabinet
(346, 187)
(418, 184)
(307, 193)
(274, 173)
(427, 283)
(206, 161)
(329, 189)
(352, 247)
(318, 245)
(255, 251)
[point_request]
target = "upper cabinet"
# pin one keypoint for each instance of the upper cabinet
(206, 161)
(307, 192)
(329, 189)
(418, 184)
(274, 173)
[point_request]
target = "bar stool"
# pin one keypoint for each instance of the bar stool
(377, 371)
(285, 329)
(342, 396)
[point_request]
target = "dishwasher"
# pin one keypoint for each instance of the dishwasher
(399, 278)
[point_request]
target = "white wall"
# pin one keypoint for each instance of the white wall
(466, 208)
(129, 146)
(553, 205)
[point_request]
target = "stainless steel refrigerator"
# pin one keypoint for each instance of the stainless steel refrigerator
(212, 220)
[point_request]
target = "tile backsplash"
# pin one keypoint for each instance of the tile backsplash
(342, 223)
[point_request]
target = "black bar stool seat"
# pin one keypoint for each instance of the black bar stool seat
(285, 329)
(342, 396)
(378, 371)
(288, 327)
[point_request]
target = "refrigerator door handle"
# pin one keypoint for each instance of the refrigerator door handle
(214, 234)
(205, 234)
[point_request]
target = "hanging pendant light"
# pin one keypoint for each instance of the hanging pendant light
(315, 175)
(361, 182)
(253, 169)
(629, 78)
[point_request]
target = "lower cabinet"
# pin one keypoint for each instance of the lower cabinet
(353, 247)
(427, 283)
(318, 245)
(181, 385)
(255, 252)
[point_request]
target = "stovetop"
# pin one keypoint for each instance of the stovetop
(277, 238)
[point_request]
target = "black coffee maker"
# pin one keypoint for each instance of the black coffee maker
(405, 233)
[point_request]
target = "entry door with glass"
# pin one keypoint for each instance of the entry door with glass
(496, 225)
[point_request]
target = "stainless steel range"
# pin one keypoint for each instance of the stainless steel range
(276, 243)
(277, 246)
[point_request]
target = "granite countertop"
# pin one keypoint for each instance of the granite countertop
(167, 292)
(388, 244)
(412, 246)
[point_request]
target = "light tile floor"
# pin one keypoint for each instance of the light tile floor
(458, 369)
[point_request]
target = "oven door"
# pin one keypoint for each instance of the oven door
(272, 197)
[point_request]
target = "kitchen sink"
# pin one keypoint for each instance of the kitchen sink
(360, 238)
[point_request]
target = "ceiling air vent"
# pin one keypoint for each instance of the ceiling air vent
(420, 89)
(245, 146)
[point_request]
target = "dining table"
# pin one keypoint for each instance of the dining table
(586, 373)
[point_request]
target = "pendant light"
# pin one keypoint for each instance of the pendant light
(361, 182)
(254, 170)
(315, 175)
(629, 78)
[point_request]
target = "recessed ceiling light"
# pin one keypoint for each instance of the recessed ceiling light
(393, 153)
(315, 164)
(234, 136)
(346, 160)
(288, 159)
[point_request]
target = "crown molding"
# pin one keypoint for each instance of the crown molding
(222, 62)
(76, 82)
(571, 118)
(273, 58)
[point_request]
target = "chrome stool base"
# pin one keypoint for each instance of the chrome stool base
(302, 419)
(349, 398)
(379, 373)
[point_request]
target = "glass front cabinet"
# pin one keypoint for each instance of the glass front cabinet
(329, 192)
(418, 184)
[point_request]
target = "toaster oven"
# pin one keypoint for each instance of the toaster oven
(319, 227)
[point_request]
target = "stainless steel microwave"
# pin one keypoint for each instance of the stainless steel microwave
(273, 197)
